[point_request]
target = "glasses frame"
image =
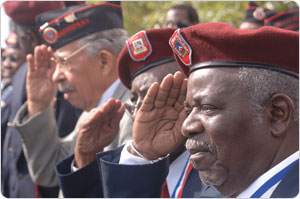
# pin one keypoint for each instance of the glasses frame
(64, 61)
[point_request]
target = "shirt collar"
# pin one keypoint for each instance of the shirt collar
(109, 92)
(247, 193)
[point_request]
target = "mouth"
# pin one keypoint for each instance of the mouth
(65, 88)
(202, 154)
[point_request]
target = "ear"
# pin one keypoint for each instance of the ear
(281, 110)
(107, 62)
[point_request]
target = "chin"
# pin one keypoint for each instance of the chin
(215, 176)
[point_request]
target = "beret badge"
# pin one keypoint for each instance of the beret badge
(181, 48)
(139, 46)
(50, 35)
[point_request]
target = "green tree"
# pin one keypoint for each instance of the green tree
(139, 15)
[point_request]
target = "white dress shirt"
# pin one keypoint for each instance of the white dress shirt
(259, 182)
(175, 170)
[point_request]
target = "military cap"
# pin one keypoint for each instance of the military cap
(220, 45)
(144, 50)
(288, 19)
(255, 14)
(12, 40)
(24, 12)
(61, 27)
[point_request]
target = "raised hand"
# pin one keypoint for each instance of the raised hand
(157, 125)
(97, 131)
(39, 85)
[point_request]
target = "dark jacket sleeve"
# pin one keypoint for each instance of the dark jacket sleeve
(131, 181)
(109, 179)
(84, 183)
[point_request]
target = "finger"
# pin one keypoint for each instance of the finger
(163, 91)
(30, 62)
(175, 90)
(182, 96)
(117, 118)
(148, 102)
(36, 55)
(43, 59)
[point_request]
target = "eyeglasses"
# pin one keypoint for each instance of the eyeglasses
(64, 61)
(131, 109)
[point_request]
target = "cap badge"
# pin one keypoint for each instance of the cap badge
(259, 14)
(139, 46)
(181, 48)
(50, 35)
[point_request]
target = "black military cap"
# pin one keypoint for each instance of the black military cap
(255, 14)
(60, 27)
(288, 19)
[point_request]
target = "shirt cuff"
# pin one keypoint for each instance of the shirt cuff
(130, 159)
(73, 167)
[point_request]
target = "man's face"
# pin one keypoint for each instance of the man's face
(142, 82)
(11, 60)
(176, 15)
(226, 147)
(79, 78)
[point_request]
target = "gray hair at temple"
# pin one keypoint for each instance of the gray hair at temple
(262, 84)
(111, 40)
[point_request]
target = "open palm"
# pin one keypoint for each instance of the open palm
(39, 85)
(157, 125)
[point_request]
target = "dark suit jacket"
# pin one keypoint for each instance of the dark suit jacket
(106, 178)
(15, 178)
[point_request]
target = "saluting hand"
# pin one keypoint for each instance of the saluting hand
(98, 131)
(157, 125)
(39, 85)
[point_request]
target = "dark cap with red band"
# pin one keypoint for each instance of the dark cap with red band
(144, 50)
(24, 12)
(61, 27)
(220, 45)
(288, 19)
(255, 13)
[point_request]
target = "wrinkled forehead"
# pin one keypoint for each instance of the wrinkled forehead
(213, 81)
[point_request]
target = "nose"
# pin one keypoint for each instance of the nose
(58, 74)
(192, 126)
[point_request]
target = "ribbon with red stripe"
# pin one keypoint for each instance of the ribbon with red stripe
(182, 180)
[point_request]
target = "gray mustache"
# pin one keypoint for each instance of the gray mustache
(199, 145)
(64, 87)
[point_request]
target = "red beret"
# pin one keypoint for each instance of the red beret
(144, 50)
(220, 45)
(24, 12)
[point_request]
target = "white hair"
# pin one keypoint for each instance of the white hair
(111, 40)
(262, 84)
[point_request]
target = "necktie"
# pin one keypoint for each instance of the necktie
(165, 191)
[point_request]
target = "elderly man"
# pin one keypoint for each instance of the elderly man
(242, 124)
(138, 67)
(87, 40)
(15, 178)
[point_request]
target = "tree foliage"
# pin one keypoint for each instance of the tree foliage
(139, 15)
